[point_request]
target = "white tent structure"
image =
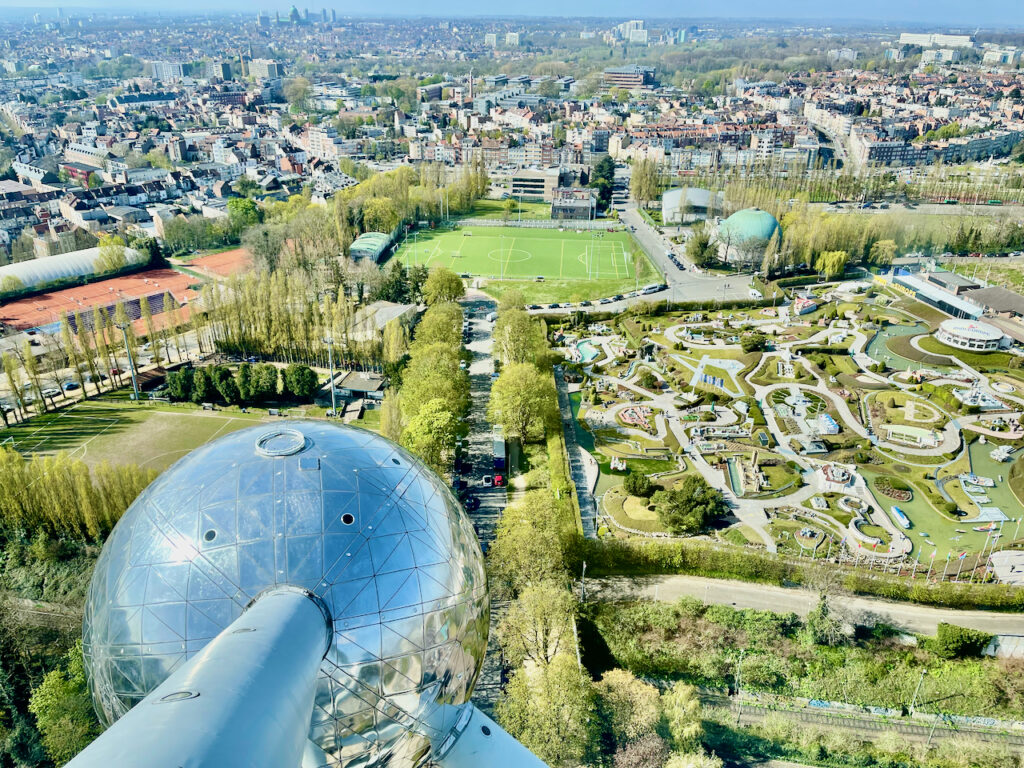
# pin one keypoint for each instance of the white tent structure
(48, 269)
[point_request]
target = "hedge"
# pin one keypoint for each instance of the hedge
(661, 557)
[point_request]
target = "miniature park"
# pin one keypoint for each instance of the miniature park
(838, 426)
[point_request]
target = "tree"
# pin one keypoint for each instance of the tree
(700, 248)
(443, 285)
(638, 484)
(528, 548)
(537, 626)
(518, 338)
(521, 400)
(300, 381)
(508, 208)
(647, 379)
(380, 215)
(441, 323)
(510, 299)
(63, 709)
(694, 760)
(630, 707)
(180, 384)
(953, 642)
(550, 711)
(297, 92)
(687, 509)
(683, 716)
(431, 434)
(112, 256)
(647, 751)
(11, 284)
(882, 252)
(644, 183)
(823, 627)
(392, 422)
(395, 341)
(753, 342)
(831, 263)
(247, 187)
(243, 213)
(203, 388)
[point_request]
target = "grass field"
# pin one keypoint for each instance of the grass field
(495, 209)
(151, 436)
(589, 264)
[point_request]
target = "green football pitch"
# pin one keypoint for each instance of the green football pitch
(518, 253)
(153, 436)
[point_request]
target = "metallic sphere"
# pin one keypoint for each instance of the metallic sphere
(338, 511)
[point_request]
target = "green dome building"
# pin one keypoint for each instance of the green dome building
(744, 236)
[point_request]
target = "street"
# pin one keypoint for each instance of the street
(909, 617)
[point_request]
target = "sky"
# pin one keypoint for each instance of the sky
(970, 13)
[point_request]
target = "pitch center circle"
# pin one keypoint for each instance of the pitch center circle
(509, 255)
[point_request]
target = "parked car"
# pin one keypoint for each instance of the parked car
(70, 386)
(472, 503)
(488, 480)
(499, 481)
(51, 392)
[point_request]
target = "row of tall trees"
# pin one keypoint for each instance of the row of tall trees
(425, 408)
(62, 496)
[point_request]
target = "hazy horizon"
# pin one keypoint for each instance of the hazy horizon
(925, 13)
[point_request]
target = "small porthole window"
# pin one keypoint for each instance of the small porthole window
(485, 730)
(396, 461)
(348, 518)
(210, 535)
(178, 696)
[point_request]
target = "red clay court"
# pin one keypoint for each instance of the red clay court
(47, 308)
(223, 264)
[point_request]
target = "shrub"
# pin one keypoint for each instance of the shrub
(638, 484)
(953, 642)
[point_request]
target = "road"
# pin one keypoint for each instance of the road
(492, 500)
(857, 610)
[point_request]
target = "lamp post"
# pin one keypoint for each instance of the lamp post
(329, 341)
(917, 690)
(131, 362)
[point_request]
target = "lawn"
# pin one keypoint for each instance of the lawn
(151, 436)
(975, 359)
(513, 252)
(925, 518)
(495, 209)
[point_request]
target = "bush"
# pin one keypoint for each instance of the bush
(953, 642)
(638, 484)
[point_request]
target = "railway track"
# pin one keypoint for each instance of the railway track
(865, 725)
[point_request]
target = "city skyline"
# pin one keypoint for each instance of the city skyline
(878, 12)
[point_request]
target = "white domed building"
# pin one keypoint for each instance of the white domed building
(971, 335)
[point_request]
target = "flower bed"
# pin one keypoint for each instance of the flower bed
(884, 486)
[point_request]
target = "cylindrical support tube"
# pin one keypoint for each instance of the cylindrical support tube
(476, 741)
(246, 699)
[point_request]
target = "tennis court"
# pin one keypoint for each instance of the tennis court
(518, 253)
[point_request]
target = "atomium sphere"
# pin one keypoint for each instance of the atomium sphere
(338, 511)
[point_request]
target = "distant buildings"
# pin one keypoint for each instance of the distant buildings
(929, 40)
(574, 203)
(265, 69)
(511, 39)
(630, 77)
(167, 71)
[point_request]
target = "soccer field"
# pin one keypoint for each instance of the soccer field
(521, 253)
(153, 436)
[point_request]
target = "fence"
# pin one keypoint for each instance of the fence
(597, 224)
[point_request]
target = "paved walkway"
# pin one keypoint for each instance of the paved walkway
(582, 466)
(857, 610)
